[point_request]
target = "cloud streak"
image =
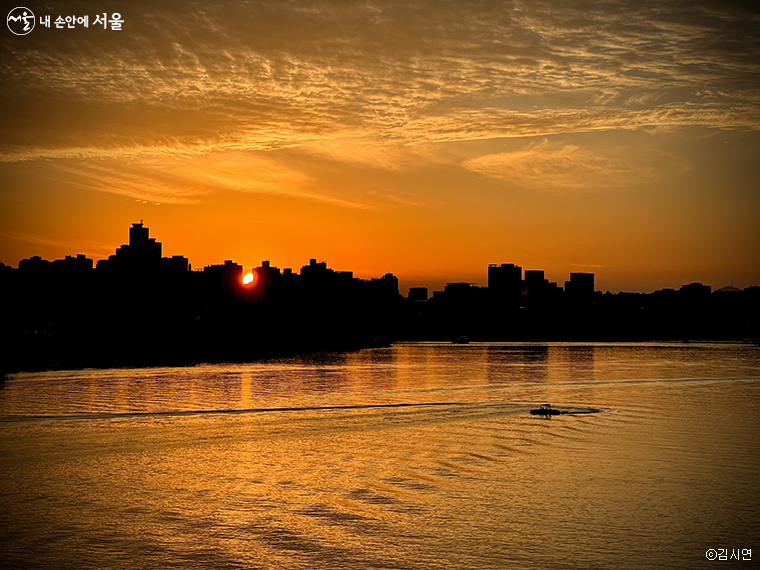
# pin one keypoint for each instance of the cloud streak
(549, 166)
(188, 180)
(351, 81)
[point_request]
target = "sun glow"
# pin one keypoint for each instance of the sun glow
(248, 279)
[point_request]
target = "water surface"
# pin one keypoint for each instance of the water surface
(415, 456)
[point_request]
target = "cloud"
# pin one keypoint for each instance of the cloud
(247, 172)
(272, 75)
(189, 180)
(549, 166)
(141, 182)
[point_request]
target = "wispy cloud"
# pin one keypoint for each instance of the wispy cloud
(162, 180)
(549, 166)
(138, 182)
(269, 75)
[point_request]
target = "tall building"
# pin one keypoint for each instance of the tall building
(580, 288)
(141, 252)
(224, 279)
(266, 280)
(535, 288)
(505, 283)
(142, 247)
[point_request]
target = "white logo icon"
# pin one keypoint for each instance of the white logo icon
(21, 21)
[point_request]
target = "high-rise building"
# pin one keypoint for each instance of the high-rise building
(505, 283)
(535, 288)
(266, 280)
(142, 252)
(580, 288)
(142, 247)
(226, 279)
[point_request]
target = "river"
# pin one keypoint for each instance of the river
(418, 456)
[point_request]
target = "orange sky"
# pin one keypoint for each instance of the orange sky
(426, 139)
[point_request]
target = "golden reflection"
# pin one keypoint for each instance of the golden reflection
(658, 468)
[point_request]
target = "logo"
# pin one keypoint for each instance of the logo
(21, 21)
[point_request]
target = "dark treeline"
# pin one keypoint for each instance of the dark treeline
(138, 308)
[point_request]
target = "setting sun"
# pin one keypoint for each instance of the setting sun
(248, 279)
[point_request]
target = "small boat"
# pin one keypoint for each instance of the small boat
(462, 340)
(545, 410)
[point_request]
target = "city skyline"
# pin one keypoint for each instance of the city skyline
(139, 307)
(435, 283)
(428, 139)
(149, 248)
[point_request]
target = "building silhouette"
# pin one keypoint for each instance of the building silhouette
(580, 288)
(139, 308)
(224, 280)
(418, 294)
(505, 284)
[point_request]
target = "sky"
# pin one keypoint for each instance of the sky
(426, 138)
